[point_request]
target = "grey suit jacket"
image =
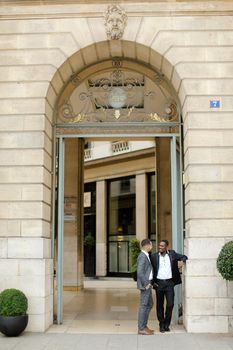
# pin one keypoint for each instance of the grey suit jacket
(144, 268)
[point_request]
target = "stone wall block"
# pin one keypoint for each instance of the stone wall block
(22, 140)
(204, 69)
(209, 173)
(205, 287)
(199, 306)
(35, 228)
(9, 228)
(209, 209)
(22, 106)
(36, 192)
(40, 305)
(24, 210)
(209, 228)
(223, 306)
(49, 111)
(26, 72)
(209, 191)
(230, 289)
(9, 265)
(212, 155)
(208, 138)
(10, 192)
(23, 89)
(35, 267)
(33, 57)
(207, 86)
(201, 104)
(30, 285)
(204, 248)
(28, 248)
(209, 121)
(205, 267)
(29, 174)
(18, 157)
(3, 248)
(51, 95)
(207, 324)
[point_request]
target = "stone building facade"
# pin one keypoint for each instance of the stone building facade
(42, 44)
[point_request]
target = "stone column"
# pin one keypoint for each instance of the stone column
(209, 217)
(25, 206)
(101, 228)
(73, 225)
(163, 174)
(141, 206)
(208, 149)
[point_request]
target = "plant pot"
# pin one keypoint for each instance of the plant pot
(89, 260)
(134, 275)
(12, 326)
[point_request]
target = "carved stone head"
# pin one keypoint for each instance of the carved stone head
(115, 22)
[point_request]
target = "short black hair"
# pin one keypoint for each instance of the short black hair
(145, 241)
(165, 241)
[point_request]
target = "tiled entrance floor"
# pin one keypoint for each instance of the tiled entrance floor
(104, 307)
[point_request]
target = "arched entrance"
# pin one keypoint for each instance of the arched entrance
(117, 99)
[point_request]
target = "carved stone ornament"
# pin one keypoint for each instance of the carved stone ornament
(115, 22)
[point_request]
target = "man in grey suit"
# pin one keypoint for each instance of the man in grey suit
(144, 284)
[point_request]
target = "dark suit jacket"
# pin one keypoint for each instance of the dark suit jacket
(174, 258)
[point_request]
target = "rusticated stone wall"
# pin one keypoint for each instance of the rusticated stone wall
(192, 44)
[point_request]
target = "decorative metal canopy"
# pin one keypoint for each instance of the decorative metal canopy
(118, 95)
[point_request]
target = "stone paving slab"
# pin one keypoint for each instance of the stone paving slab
(52, 341)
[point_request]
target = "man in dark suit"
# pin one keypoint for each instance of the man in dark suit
(166, 275)
(144, 284)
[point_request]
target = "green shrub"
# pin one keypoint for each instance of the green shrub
(135, 251)
(13, 302)
(89, 240)
(225, 261)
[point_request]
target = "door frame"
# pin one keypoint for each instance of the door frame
(176, 194)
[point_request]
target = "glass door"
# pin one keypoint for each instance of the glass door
(121, 224)
(90, 229)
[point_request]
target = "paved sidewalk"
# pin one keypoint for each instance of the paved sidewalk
(184, 341)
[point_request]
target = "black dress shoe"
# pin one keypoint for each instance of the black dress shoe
(162, 329)
(167, 329)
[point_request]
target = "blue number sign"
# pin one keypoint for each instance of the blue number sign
(214, 103)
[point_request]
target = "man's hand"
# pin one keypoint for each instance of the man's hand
(148, 286)
(155, 285)
(180, 264)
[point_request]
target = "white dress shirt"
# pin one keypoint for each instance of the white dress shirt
(165, 271)
(151, 273)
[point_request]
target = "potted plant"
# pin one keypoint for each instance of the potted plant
(89, 255)
(135, 250)
(13, 312)
(225, 261)
(89, 240)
